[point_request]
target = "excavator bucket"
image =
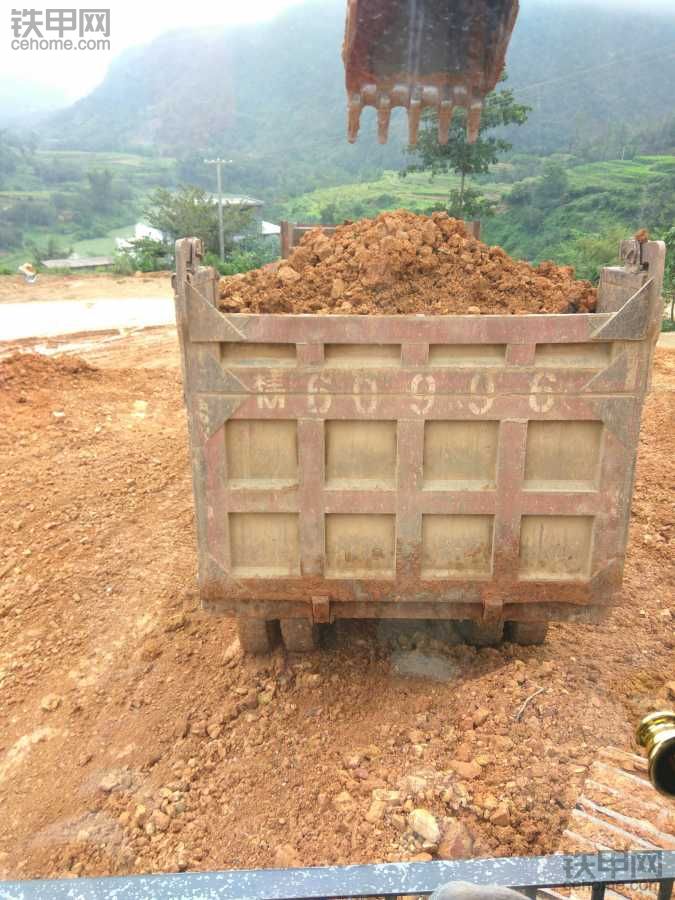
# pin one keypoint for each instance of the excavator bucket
(440, 54)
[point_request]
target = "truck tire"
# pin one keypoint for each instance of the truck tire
(481, 634)
(255, 635)
(299, 635)
(526, 632)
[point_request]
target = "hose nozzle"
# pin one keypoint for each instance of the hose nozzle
(656, 733)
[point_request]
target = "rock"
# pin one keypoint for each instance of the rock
(391, 798)
(414, 784)
(501, 816)
(140, 816)
(232, 652)
(342, 800)
(338, 288)
(287, 275)
(468, 770)
(113, 780)
(473, 310)
(50, 702)
(214, 731)
(421, 857)
(286, 857)
(456, 842)
(376, 811)
(670, 690)
(480, 716)
(425, 825)
(160, 820)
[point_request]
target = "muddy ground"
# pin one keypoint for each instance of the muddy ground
(135, 738)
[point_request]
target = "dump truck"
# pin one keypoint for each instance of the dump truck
(477, 468)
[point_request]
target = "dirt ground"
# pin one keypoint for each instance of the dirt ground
(13, 289)
(135, 737)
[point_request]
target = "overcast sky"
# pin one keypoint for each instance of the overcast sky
(136, 22)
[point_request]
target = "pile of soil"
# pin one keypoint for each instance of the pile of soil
(402, 263)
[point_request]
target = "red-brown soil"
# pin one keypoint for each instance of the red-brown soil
(135, 738)
(403, 263)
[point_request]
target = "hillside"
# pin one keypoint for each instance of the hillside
(271, 96)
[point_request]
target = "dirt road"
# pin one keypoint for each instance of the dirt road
(14, 289)
(135, 738)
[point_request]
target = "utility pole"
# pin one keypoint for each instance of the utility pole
(218, 163)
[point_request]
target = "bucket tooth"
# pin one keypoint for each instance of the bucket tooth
(383, 118)
(353, 117)
(444, 120)
(473, 121)
(414, 116)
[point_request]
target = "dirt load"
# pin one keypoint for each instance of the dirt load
(402, 263)
(137, 738)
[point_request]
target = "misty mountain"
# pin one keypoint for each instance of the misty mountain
(271, 96)
(21, 102)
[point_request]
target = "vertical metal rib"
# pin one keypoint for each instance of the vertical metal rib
(665, 889)
(598, 892)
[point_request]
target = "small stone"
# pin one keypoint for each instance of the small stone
(343, 799)
(480, 716)
(670, 690)
(232, 651)
(468, 770)
(473, 310)
(423, 823)
(421, 857)
(160, 820)
(376, 811)
(391, 798)
(50, 702)
(456, 842)
(338, 288)
(286, 857)
(140, 816)
(214, 731)
(501, 816)
(113, 780)
(287, 275)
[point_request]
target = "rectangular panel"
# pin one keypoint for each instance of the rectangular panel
(258, 355)
(577, 356)
(456, 545)
(264, 545)
(362, 356)
(555, 546)
(467, 354)
(360, 546)
(563, 456)
(360, 455)
(460, 455)
(261, 453)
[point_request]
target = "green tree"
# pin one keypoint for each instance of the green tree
(191, 212)
(458, 155)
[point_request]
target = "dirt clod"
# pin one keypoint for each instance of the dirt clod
(403, 263)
